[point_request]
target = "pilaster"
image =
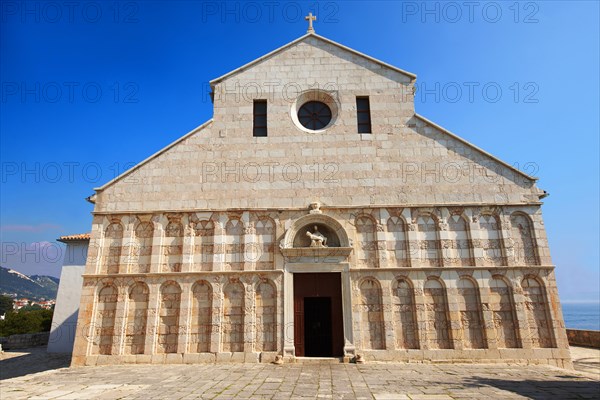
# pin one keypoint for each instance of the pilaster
(185, 309)
(187, 251)
(118, 343)
(153, 308)
(249, 313)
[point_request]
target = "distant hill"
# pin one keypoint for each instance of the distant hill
(34, 287)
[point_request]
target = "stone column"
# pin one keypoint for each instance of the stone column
(250, 246)
(249, 314)
(120, 319)
(349, 341)
(187, 251)
(443, 242)
(219, 243)
(217, 316)
(160, 222)
(508, 250)
(128, 245)
(289, 349)
(475, 238)
(185, 308)
(521, 312)
(454, 318)
(381, 237)
(152, 322)
(412, 251)
(421, 313)
(388, 311)
(489, 329)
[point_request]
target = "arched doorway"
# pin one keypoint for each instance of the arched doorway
(316, 248)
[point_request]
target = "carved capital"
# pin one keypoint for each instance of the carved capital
(250, 229)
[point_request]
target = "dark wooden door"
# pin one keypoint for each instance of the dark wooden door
(318, 318)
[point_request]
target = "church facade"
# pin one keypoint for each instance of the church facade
(316, 214)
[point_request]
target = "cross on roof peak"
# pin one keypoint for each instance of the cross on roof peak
(310, 18)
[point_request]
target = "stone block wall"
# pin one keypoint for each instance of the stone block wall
(582, 337)
(24, 341)
(474, 280)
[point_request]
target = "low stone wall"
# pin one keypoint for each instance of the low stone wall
(587, 338)
(24, 341)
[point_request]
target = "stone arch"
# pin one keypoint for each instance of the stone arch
(265, 239)
(266, 316)
(113, 242)
(428, 240)
(204, 242)
(536, 308)
(233, 317)
(142, 247)
(524, 243)
(437, 323)
(336, 234)
(371, 314)
(169, 312)
(397, 242)
(503, 308)
(405, 314)
(491, 240)
(471, 318)
(106, 308)
(202, 314)
(137, 318)
(234, 244)
(173, 244)
(459, 250)
(366, 241)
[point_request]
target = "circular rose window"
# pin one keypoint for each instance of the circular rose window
(314, 111)
(314, 115)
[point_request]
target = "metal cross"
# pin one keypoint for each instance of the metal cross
(310, 18)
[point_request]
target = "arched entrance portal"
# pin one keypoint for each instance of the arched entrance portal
(316, 249)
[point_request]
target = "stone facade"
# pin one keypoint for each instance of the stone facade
(440, 248)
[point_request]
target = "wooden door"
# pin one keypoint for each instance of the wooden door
(316, 285)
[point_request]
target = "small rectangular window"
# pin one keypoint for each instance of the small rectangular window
(363, 114)
(260, 118)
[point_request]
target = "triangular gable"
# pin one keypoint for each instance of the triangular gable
(300, 39)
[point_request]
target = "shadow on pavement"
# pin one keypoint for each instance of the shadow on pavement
(30, 361)
(572, 387)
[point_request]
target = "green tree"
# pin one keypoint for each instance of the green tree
(6, 304)
(24, 321)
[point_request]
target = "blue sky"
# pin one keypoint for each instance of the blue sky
(90, 88)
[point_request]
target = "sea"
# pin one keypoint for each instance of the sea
(582, 315)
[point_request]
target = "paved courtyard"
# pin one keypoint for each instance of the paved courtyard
(22, 379)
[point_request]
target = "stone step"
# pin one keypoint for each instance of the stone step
(319, 360)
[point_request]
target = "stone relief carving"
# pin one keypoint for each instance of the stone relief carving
(317, 239)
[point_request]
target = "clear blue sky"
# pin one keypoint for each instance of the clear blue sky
(92, 87)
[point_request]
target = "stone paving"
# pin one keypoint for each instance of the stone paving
(296, 381)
